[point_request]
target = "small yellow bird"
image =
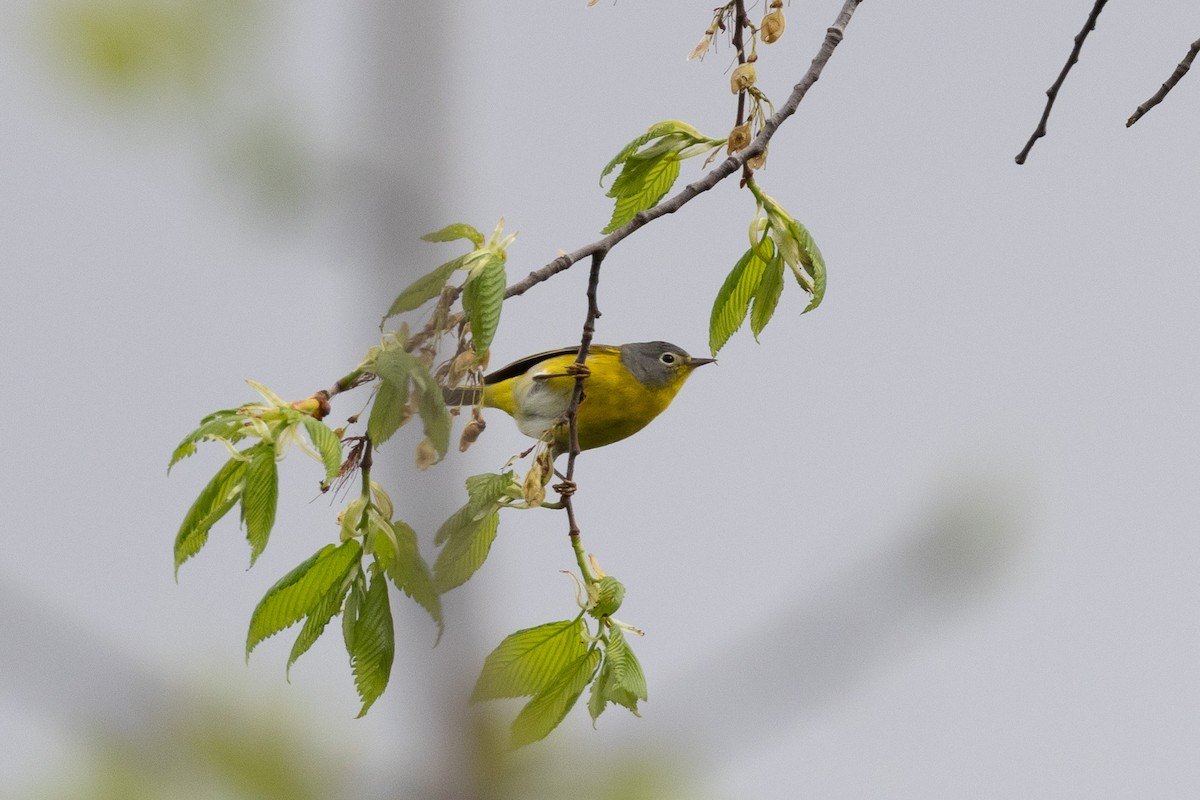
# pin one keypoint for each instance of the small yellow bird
(626, 387)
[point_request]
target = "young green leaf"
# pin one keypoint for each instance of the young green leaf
(733, 299)
(214, 502)
(529, 661)
(299, 593)
(435, 416)
(225, 424)
(549, 706)
(260, 496)
(396, 367)
(814, 264)
(766, 296)
(627, 682)
(374, 643)
(388, 411)
(468, 543)
(488, 489)
(626, 152)
(453, 231)
(397, 552)
(640, 186)
(620, 679)
(425, 288)
(327, 444)
(329, 606)
(483, 299)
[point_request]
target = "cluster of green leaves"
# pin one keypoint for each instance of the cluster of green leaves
(483, 289)
(649, 166)
(405, 382)
(754, 285)
(466, 537)
(351, 579)
(553, 663)
(250, 475)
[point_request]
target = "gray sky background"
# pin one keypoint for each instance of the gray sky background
(936, 539)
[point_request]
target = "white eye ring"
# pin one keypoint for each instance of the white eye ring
(667, 358)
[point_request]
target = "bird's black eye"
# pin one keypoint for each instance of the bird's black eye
(667, 358)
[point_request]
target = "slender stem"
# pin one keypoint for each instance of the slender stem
(740, 20)
(1158, 96)
(581, 560)
(572, 412)
(1052, 92)
(365, 470)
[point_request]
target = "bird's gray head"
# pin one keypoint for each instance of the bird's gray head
(658, 364)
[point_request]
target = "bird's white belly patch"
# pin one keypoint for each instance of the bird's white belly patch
(541, 405)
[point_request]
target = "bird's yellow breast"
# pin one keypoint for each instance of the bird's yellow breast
(615, 404)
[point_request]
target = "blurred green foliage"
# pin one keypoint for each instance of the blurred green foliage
(138, 45)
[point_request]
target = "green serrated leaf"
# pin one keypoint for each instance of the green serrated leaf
(401, 559)
(453, 231)
(225, 424)
(597, 701)
(387, 412)
(528, 661)
(549, 706)
(214, 502)
(329, 606)
(627, 682)
(626, 151)
(466, 549)
(435, 416)
(483, 299)
(358, 588)
(733, 298)
(374, 643)
(395, 367)
(297, 594)
(327, 444)
(766, 296)
(260, 496)
(620, 679)
(427, 287)
(486, 490)
(814, 264)
(640, 186)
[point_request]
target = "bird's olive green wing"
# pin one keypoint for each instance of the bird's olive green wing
(521, 367)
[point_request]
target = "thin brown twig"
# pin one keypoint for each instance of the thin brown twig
(1158, 96)
(734, 162)
(572, 413)
(1052, 92)
(739, 44)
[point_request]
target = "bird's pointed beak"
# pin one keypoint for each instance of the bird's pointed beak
(700, 362)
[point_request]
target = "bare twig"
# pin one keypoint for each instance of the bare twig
(833, 37)
(740, 21)
(1179, 72)
(572, 413)
(1052, 92)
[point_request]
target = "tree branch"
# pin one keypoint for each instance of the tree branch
(572, 412)
(1158, 96)
(833, 37)
(1052, 92)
